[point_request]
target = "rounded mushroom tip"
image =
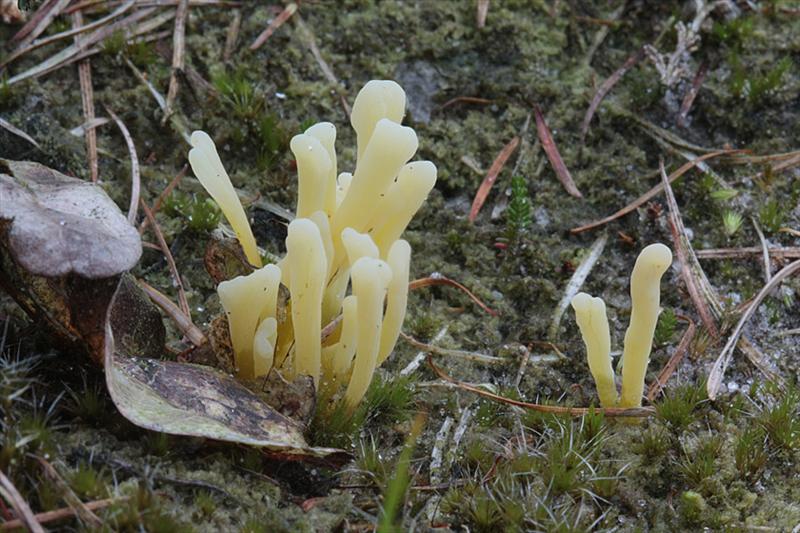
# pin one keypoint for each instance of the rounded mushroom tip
(199, 138)
(581, 301)
(657, 255)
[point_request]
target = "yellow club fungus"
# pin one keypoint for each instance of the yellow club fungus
(345, 239)
(590, 314)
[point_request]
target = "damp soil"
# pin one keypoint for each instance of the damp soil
(478, 465)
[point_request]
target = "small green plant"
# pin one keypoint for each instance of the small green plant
(665, 327)
(771, 215)
(723, 195)
(677, 407)
(779, 415)
(756, 87)
(201, 214)
(750, 452)
(518, 214)
(397, 487)
(654, 444)
(733, 33)
(239, 93)
(731, 222)
(702, 464)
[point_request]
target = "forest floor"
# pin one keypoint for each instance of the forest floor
(474, 86)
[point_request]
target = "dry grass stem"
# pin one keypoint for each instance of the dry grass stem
(136, 179)
(58, 514)
(439, 279)
(726, 355)
(84, 514)
(181, 319)
(605, 87)
(87, 102)
(21, 508)
(677, 356)
(18, 132)
(178, 52)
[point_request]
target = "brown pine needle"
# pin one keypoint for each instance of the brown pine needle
(683, 346)
(788, 252)
(438, 279)
(643, 199)
(697, 283)
(39, 22)
(691, 94)
(491, 176)
(605, 87)
(59, 514)
(635, 412)
(465, 100)
(84, 514)
(164, 195)
(184, 303)
(181, 319)
(276, 23)
(553, 155)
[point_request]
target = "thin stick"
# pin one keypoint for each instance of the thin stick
(23, 511)
(605, 87)
(87, 101)
(232, 35)
(183, 321)
(724, 359)
(164, 195)
(77, 28)
(178, 47)
(184, 303)
(652, 192)
(683, 346)
(635, 412)
(691, 94)
(465, 100)
(788, 252)
(59, 514)
(83, 513)
(439, 279)
(136, 180)
(39, 22)
(691, 272)
(482, 11)
(276, 23)
(311, 42)
(491, 177)
(764, 250)
(462, 354)
(553, 155)
(576, 282)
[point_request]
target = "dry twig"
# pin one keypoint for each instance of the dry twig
(635, 412)
(184, 303)
(605, 87)
(439, 279)
(183, 321)
(87, 101)
(84, 514)
(640, 201)
(683, 346)
(23, 511)
(58, 514)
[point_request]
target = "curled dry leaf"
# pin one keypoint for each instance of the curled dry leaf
(63, 248)
(194, 400)
(60, 225)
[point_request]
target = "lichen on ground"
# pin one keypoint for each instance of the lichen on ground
(727, 464)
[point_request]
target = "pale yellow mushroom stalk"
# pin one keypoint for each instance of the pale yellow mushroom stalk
(370, 278)
(264, 342)
(651, 264)
(305, 254)
(590, 313)
(247, 300)
(399, 260)
(208, 168)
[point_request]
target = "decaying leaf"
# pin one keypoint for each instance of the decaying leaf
(224, 259)
(63, 248)
(61, 225)
(194, 400)
(10, 13)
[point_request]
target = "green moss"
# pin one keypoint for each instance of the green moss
(678, 405)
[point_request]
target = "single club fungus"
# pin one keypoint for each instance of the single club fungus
(346, 238)
(590, 313)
